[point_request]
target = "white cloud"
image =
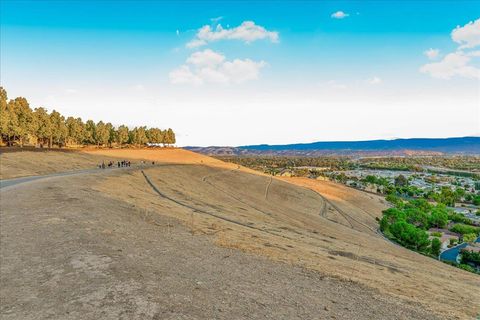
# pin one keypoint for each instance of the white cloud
(178, 32)
(206, 58)
(375, 80)
(458, 63)
(453, 64)
(339, 15)
(467, 36)
(70, 91)
(195, 43)
(248, 32)
(183, 75)
(208, 66)
(432, 54)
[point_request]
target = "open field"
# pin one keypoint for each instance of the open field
(194, 237)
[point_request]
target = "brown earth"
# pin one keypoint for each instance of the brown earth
(139, 244)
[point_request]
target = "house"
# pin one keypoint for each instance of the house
(473, 247)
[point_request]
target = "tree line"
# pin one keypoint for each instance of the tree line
(20, 125)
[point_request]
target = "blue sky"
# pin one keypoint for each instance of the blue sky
(274, 72)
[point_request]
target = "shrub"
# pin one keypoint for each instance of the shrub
(470, 257)
(469, 237)
(466, 267)
(464, 229)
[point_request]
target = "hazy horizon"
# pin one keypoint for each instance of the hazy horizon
(233, 74)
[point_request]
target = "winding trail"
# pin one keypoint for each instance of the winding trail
(12, 182)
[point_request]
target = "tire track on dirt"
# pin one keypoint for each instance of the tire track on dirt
(268, 187)
(209, 213)
(347, 217)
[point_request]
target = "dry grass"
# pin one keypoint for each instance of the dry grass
(286, 220)
(290, 226)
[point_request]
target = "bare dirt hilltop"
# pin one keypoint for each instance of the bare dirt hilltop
(191, 237)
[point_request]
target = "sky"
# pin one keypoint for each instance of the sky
(239, 73)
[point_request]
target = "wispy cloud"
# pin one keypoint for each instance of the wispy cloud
(208, 66)
(248, 32)
(432, 54)
(339, 15)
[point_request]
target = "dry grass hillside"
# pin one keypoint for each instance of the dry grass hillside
(319, 226)
(32, 163)
(40, 162)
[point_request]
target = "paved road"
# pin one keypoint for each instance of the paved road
(15, 181)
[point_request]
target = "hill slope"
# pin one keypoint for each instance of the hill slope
(139, 243)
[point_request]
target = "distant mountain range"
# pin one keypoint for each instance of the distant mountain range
(415, 146)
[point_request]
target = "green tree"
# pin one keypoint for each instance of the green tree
(122, 134)
(393, 199)
(90, 132)
(435, 247)
(59, 129)
(169, 137)
(447, 196)
(476, 200)
(43, 130)
(409, 236)
(401, 181)
(76, 130)
(138, 136)
(25, 119)
(469, 237)
(417, 217)
(438, 217)
(4, 114)
(102, 133)
(155, 135)
(12, 125)
(112, 137)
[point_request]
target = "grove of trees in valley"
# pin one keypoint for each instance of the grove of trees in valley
(20, 125)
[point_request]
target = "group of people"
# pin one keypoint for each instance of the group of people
(124, 163)
(110, 164)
